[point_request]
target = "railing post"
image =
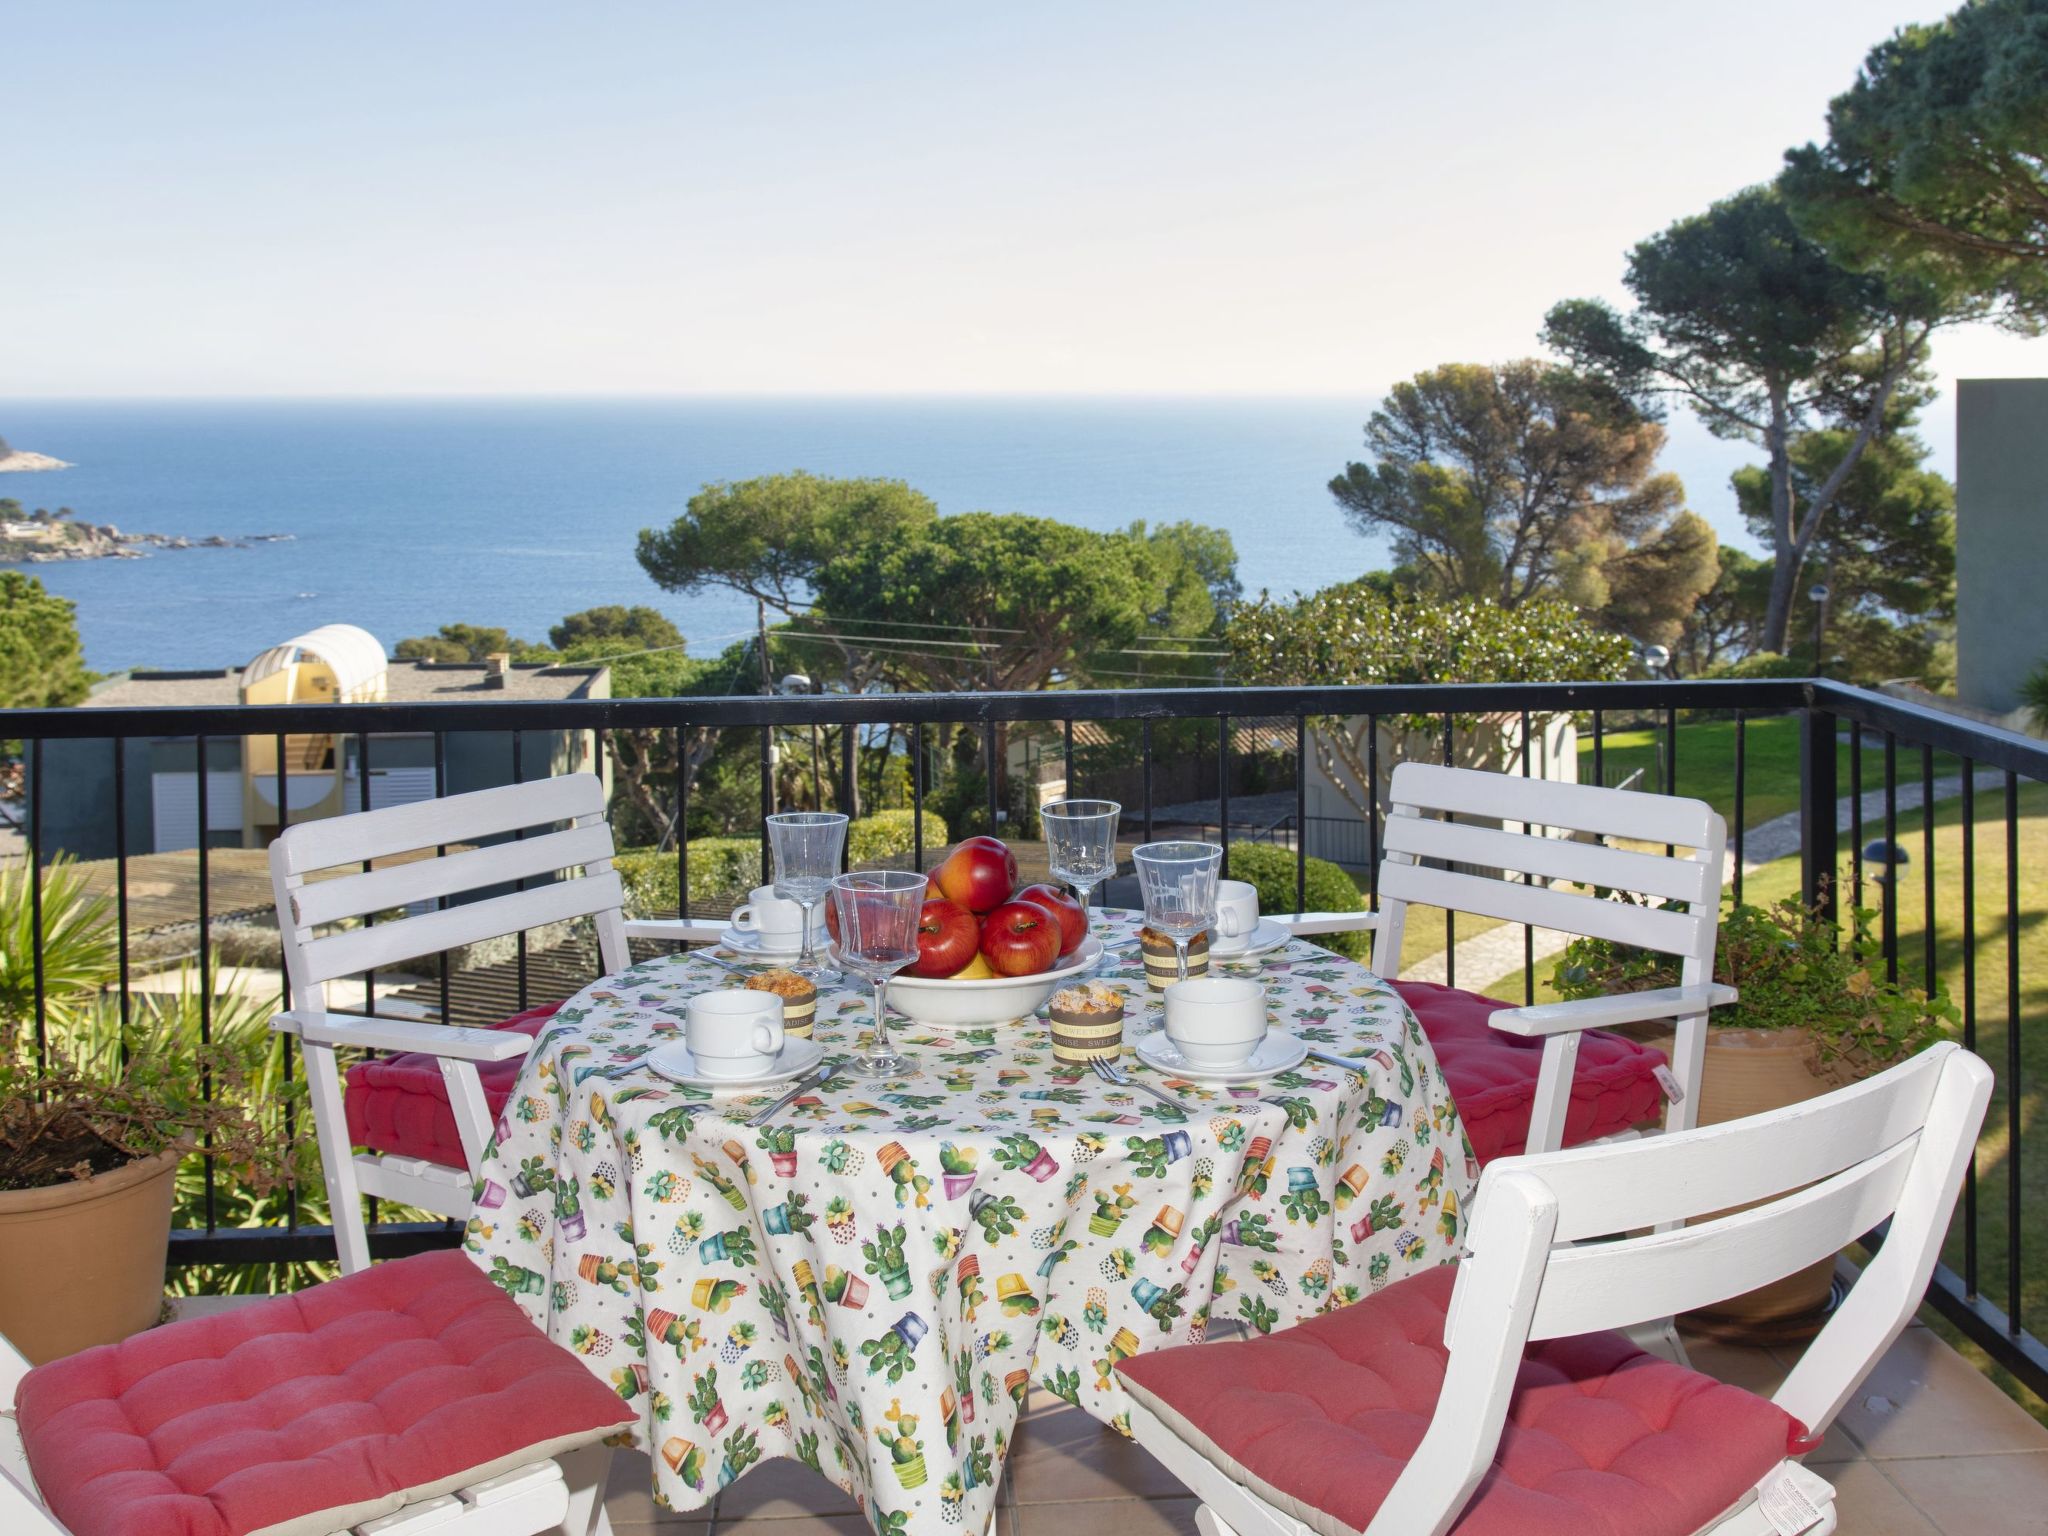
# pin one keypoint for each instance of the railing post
(1818, 794)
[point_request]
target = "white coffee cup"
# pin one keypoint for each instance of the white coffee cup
(1237, 916)
(775, 920)
(1216, 1021)
(733, 1034)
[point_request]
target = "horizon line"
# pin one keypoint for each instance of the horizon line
(831, 396)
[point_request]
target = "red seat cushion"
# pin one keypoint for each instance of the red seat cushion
(1492, 1076)
(307, 1413)
(399, 1104)
(1601, 1438)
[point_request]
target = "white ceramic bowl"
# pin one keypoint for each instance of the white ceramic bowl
(1216, 1021)
(999, 1000)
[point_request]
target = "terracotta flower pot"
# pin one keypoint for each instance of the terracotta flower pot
(1747, 1072)
(82, 1263)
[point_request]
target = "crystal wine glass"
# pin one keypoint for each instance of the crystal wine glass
(878, 912)
(806, 846)
(1080, 842)
(1179, 882)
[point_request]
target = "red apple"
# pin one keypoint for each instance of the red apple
(1073, 920)
(979, 874)
(1020, 938)
(947, 937)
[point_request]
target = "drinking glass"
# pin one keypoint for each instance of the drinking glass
(1179, 882)
(878, 912)
(1080, 842)
(806, 846)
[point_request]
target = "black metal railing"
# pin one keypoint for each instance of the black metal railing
(1796, 765)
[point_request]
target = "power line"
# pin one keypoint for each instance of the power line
(990, 630)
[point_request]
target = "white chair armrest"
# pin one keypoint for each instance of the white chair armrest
(452, 1041)
(1618, 1008)
(674, 930)
(1302, 924)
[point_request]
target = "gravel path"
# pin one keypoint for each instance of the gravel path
(1779, 837)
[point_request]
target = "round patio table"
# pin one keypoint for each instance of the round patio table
(873, 1282)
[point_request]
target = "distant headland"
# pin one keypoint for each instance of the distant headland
(13, 460)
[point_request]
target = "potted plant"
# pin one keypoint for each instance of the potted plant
(94, 1122)
(1814, 1013)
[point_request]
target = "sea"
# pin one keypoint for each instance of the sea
(406, 514)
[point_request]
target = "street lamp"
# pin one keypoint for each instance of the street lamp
(1819, 593)
(1885, 859)
(1656, 658)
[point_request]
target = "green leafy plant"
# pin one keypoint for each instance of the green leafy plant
(108, 1094)
(1794, 972)
(2034, 691)
(79, 947)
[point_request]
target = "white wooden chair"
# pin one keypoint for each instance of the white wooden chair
(482, 867)
(1536, 885)
(1810, 1179)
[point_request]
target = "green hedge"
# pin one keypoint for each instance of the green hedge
(724, 869)
(888, 834)
(1271, 868)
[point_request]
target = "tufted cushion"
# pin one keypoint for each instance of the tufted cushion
(305, 1414)
(1492, 1075)
(399, 1104)
(1601, 1438)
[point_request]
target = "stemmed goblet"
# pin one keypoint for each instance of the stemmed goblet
(1080, 842)
(1179, 884)
(806, 847)
(878, 912)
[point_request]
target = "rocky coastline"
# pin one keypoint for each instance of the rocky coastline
(42, 538)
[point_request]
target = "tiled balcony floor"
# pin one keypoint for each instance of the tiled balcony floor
(1928, 1447)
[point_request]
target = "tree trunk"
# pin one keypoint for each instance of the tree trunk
(1786, 553)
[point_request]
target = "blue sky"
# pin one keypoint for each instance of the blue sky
(233, 198)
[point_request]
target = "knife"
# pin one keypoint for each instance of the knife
(804, 1085)
(1337, 1061)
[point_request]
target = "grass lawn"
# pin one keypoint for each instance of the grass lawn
(1770, 764)
(1992, 1020)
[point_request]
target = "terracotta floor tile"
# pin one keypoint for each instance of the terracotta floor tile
(801, 1525)
(1064, 1456)
(781, 1489)
(1924, 1399)
(1867, 1505)
(1753, 1370)
(1976, 1495)
(629, 1498)
(1109, 1517)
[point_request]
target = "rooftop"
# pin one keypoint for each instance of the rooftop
(405, 682)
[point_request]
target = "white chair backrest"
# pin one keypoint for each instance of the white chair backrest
(1813, 1178)
(1821, 1173)
(1419, 846)
(490, 818)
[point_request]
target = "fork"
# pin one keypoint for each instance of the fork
(1109, 1072)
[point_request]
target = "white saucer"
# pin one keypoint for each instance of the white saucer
(674, 1062)
(1275, 1053)
(748, 942)
(1263, 940)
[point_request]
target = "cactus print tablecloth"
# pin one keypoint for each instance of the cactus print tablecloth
(873, 1282)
